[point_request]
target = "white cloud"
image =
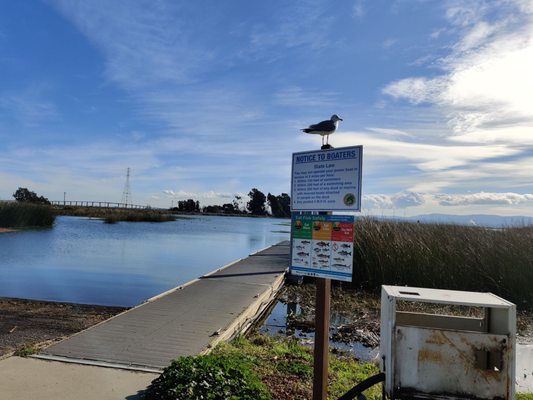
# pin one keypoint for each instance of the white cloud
(487, 76)
(407, 199)
(395, 201)
(426, 157)
(415, 200)
(295, 96)
(483, 198)
(359, 9)
(388, 43)
(377, 201)
(29, 106)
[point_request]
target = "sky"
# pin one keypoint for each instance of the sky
(206, 99)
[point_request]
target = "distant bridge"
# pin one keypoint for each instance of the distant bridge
(98, 204)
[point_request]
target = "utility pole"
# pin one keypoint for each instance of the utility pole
(64, 198)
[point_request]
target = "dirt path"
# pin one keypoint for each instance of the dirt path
(27, 324)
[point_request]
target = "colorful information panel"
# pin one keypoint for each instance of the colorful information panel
(322, 246)
(327, 180)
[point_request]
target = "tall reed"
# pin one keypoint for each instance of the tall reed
(23, 215)
(445, 257)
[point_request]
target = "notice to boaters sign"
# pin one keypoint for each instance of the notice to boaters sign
(322, 246)
(327, 180)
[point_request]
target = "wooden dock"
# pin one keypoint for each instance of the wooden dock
(187, 320)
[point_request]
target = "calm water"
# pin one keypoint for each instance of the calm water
(86, 261)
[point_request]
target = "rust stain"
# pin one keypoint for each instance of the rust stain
(429, 356)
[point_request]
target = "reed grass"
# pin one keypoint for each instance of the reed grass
(25, 215)
(139, 216)
(445, 257)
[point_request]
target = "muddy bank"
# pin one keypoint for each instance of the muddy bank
(4, 230)
(355, 319)
(26, 324)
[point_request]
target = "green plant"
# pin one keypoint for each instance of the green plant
(208, 377)
(23, 215)
(26, 351)
(524, 396)
(446, 257)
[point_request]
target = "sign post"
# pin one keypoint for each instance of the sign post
(322, 245)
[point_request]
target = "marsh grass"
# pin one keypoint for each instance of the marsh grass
(25, 215)
(138, 216)
(445, 257)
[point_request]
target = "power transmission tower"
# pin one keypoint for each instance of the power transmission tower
(126, 193)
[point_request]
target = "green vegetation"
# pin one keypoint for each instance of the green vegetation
(113, 215)
(524, 396)
(25, 215)
(256, 205)
(23, 195)
(257, 368)
(218, 376)
(26, 351)
(138, 216)
(445, 257)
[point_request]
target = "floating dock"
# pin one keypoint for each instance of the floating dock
(187, 320)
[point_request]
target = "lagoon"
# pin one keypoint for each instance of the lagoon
(83, 260)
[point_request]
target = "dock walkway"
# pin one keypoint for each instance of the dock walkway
(187, 320)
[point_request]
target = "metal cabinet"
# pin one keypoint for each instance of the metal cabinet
(447, 344)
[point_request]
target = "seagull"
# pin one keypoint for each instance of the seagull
(324, 128)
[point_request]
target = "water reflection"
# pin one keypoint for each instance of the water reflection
(86, 261)
(276, 324)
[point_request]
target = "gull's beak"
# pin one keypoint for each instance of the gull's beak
(340, 119)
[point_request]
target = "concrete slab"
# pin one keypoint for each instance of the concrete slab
(30, 379)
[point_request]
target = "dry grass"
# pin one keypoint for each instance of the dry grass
(445, 257)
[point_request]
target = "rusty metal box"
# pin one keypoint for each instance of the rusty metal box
(447, 344)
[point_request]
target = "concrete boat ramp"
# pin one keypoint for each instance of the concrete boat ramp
(187, 320)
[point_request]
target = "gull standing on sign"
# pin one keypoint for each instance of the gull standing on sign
(324, 128)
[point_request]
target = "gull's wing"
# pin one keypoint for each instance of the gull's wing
(323, 126)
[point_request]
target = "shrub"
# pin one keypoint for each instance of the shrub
(22, 215)
(208, 377)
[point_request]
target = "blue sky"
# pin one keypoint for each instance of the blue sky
(205, 99)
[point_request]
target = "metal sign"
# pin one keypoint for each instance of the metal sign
(327, 180)
(322, 246)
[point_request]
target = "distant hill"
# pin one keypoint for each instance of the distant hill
(489, 221)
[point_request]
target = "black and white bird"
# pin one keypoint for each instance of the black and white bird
(324, 128)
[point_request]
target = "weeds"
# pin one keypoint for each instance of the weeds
(140, 216)
(446, 257)
(24, 215)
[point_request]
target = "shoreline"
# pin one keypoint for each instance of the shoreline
(6, 230)
(26, 325)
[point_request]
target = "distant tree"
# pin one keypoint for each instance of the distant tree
(280, 205)
(275, 207)
(23, 195)
(285, 203)
(256, 205)
(237, 204)
(228, 208)
(213, 209)
(188, 205)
